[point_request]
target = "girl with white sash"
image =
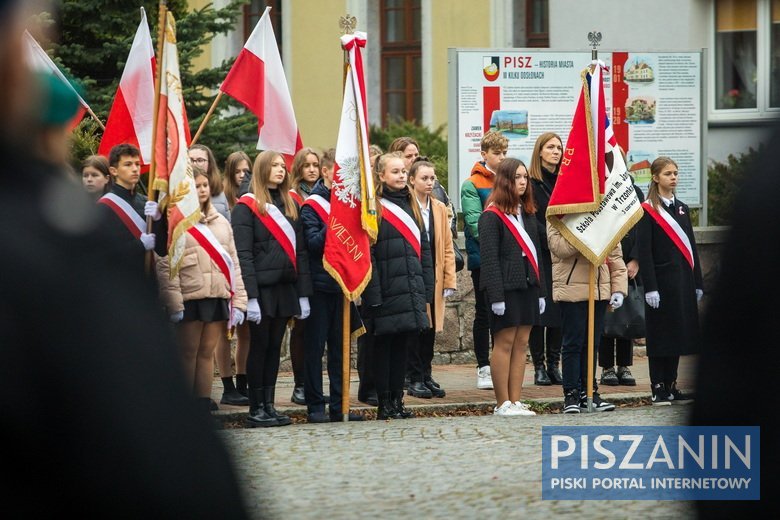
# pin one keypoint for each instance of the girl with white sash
(275, 267)
(207, 294)
(509, 249)
(671, 273)
(401, 284)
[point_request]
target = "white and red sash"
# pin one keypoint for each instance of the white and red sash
(673, 229)
(400, 220)
(132, 220)
(296, 197)
(319, 205)
(206, 239)
(276, 223)
(521, 236)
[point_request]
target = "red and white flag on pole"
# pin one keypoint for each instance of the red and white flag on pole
(352, 223)
(257, 81)
(39, 61)
(594, 203)
(173, 180)
(132, 114)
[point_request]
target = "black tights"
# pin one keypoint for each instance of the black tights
(390, 361)
(265, 345)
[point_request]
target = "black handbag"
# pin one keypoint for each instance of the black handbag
(460, 263)
(628, 321)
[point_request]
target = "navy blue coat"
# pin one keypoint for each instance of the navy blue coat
(314, 235)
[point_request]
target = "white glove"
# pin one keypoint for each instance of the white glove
(542, 305)
(151, 209)
(305, 309)
(699, 294)
(253, 311)
(653, 299)
(147, 239)
(498, 308)
(448, 292)
(616, 300)
(176, 317)
(236, 318)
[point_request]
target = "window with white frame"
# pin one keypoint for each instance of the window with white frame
(746, 59)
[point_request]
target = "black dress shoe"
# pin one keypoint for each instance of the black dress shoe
(318, 417)
(298, 396)
(430, 381)
(418, 389)
(352, 417)
(435, 389)
(369, 398)
(555, 374)
(541, 378)
(234, 399)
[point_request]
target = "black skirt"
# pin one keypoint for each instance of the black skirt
(522, 308)
(206, 310)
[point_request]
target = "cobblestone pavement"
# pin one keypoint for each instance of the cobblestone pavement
(453, 467)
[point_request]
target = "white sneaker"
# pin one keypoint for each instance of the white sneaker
(522, 408)
(506, 410)
(484, 380)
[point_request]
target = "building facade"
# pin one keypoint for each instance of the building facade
(406, 54)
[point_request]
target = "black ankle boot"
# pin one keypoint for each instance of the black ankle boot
(540, 377)
(385, 409)
(241, 385)
(398, 404)
(555, 374)
(230, 395)
(257, 415)
(268, 401)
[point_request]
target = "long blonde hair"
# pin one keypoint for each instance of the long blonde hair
(261, 172)
(655, 169)
(381, 164)
(535, 171)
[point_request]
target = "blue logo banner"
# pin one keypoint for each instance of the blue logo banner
(651, 463)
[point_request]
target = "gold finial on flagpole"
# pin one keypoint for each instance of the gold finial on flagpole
(347, 23)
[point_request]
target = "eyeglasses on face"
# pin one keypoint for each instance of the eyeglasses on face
(199, 160)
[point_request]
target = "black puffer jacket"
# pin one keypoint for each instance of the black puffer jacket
(263, 261)
(503, 266)
(401, 283)
(314, 233)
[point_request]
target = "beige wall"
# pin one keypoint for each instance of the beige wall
(454, 23)
(315, 70)
(204, 60)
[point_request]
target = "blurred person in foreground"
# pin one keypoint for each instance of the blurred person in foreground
(97, 420)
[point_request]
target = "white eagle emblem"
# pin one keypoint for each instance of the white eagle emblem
(346, 183)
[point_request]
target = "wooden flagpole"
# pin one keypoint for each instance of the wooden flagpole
(206, 119)
(99, 122)
(157, 87)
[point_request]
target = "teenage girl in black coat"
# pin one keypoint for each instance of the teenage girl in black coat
(277, 284)
(401, 284)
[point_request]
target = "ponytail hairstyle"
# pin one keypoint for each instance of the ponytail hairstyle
(504, 195)
(381, 164)
(655, 169)
(261, 172)
(229, 182)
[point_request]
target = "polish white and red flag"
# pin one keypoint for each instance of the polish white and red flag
(39, 61)
(258, 82)
(132, 114)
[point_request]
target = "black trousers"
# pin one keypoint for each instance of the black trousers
(663, 369)
(481, 327)
(265, 346)
(545, 339)
(297, 350)
(365, 359)
(390, 361)
(324, 325)
(574, 348)
(420, 354)
(616, 349)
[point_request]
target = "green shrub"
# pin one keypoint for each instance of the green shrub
(723, 182)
